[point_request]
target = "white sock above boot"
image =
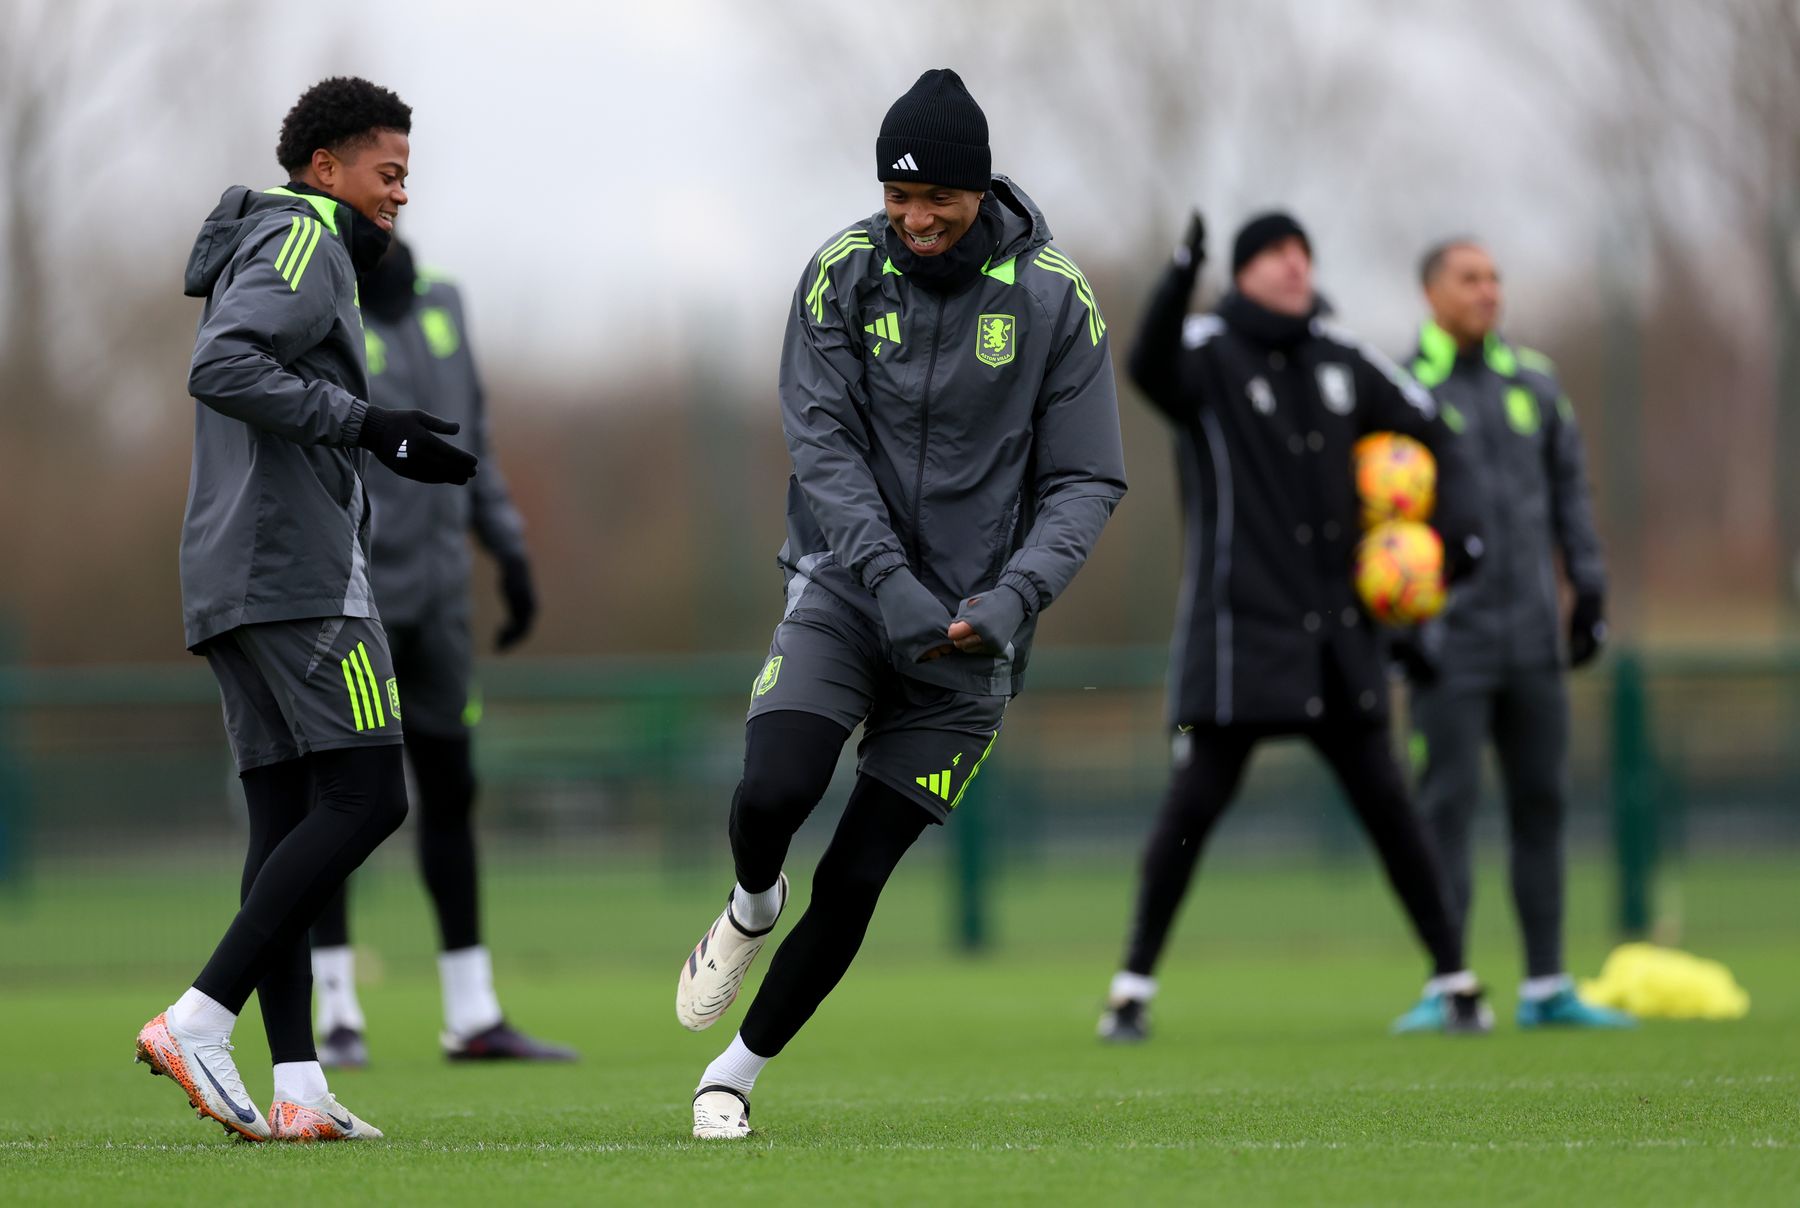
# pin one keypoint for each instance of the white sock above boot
(1128, 987)
(756, 911)
(467, 979)
(1537, 989)
(334, 990)
(737, 1067)
(199, 1015)
(300, 1081)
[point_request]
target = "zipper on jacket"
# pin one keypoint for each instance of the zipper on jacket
(937, 338)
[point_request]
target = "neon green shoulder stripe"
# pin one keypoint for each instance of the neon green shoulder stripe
(1499, 356)
(297, 250)
(326, 207)
(844, 246)
(1437, 355)
(427, 275)
(1054, 261)
(1531, 358)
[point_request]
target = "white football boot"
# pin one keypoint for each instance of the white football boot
(319, 1120)
(202, 1066)
(721, 1114)
(714, 971)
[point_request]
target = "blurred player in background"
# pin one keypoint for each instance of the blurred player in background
(947, 397)
(1491, 669)
(275, 581)
(418, 355)
(1267, 399)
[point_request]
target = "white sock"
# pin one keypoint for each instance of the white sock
(300, 1081)
(737, 1067)
(1460, 982)
(467, 978)
(1132, 986)
(334, 989)
(199, 1015)
(1537, 989)
(756, 911)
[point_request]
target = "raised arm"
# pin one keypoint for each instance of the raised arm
(1155, 360)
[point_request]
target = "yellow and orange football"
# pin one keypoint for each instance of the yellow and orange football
(1400, 572)
(1396, 477)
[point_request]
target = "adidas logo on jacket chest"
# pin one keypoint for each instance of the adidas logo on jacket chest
(995, 339)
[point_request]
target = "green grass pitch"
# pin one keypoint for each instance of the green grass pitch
(928, 1077)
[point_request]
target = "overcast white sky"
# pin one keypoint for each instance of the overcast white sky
(622, 182)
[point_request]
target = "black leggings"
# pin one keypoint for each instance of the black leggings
(788, 761)
(313, 820)
(1362, 758)
(444, 771)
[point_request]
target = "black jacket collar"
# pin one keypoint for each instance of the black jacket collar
(1269, 328)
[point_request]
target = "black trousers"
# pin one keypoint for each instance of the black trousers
(1526, 714)
(444, 771)
(313, 821)
(1203, 786)
(788, 760)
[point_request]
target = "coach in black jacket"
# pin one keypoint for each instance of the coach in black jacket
(1267, 399)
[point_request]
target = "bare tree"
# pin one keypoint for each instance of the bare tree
(90, 91)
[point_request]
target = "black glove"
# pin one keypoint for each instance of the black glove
(916, 623)
(521, 602)
(1191, 251)
(1414, 657)
(1587, 629)
(1462, 557)
(406, 443)
(994, 616)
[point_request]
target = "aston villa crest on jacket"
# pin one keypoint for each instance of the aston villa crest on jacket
(994, 339)
(1337, 388)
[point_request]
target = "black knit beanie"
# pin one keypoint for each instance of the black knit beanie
(1260, 232)
(936, 134)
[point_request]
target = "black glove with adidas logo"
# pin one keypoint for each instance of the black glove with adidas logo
(407, 442)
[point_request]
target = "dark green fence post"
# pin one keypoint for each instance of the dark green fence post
(12, 778)
(1634, 794)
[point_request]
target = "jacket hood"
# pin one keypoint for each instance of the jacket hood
(239, 212)
(1022, 225)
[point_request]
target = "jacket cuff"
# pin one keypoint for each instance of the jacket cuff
(880, 567)
(1021, 582)
(351, 433)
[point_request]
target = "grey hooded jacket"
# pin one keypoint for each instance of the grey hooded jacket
(1526, 448)
(973, 437)
(277, 524)
(421, 554)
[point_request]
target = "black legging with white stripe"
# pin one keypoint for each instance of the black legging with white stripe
(1203, 786)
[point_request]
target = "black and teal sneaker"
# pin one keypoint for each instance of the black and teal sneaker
(1463, 1013)
(1565, 1009)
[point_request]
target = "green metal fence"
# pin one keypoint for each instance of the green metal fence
(636, 757)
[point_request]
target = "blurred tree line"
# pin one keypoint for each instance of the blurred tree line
(655, 495)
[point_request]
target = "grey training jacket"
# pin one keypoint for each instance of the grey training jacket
(277, 524)
(972, 437)
(421, 553)
(1525, 446)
